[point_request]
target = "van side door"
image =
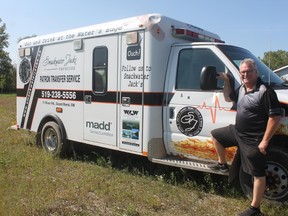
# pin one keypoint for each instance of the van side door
(131, 91)
(101, 90)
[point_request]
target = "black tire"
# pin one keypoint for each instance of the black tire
(276, 174)
(51, 139)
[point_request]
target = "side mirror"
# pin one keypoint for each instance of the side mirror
(208, 80)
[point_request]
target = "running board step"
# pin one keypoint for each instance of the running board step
(187, 164)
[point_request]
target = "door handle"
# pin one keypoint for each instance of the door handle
(88, 99)
(172, 112)
(126, 101)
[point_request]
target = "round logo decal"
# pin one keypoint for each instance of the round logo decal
(189, 121)
(25, 70)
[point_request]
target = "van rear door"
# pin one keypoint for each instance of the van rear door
(101, 89)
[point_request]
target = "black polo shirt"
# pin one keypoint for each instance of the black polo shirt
(254, 108)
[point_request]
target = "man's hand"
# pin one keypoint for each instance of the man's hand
(227, 87)
(263, 146)
(223, 76)
(272, 125)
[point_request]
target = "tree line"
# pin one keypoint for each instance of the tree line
(273, 59)
(7, 71)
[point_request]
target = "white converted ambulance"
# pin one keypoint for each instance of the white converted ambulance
(144, 85)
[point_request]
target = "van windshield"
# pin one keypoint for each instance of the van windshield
(237, 54)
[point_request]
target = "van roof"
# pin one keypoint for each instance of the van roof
(147, 21)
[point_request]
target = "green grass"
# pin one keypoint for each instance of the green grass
(95, 181)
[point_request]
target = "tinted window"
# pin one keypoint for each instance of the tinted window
(190, 64)
(236, 55)
(100, 65)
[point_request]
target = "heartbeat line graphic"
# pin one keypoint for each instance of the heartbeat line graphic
(213, 109)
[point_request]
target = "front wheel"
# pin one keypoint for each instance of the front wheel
(51, 139)
(276, 176)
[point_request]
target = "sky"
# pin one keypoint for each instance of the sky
(259, 26)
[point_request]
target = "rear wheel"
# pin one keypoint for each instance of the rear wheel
(51, 139)
(276, 176)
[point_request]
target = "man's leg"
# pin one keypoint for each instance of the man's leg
(220, 151)
(223, 138)
(258, 192)
(259, 187)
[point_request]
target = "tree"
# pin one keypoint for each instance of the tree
(6, 68)
(276, 59)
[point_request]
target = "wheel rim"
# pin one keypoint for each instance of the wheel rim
(276, 181)
(50, 139)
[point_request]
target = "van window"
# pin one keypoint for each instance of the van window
(100, 66)
(190, 64)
